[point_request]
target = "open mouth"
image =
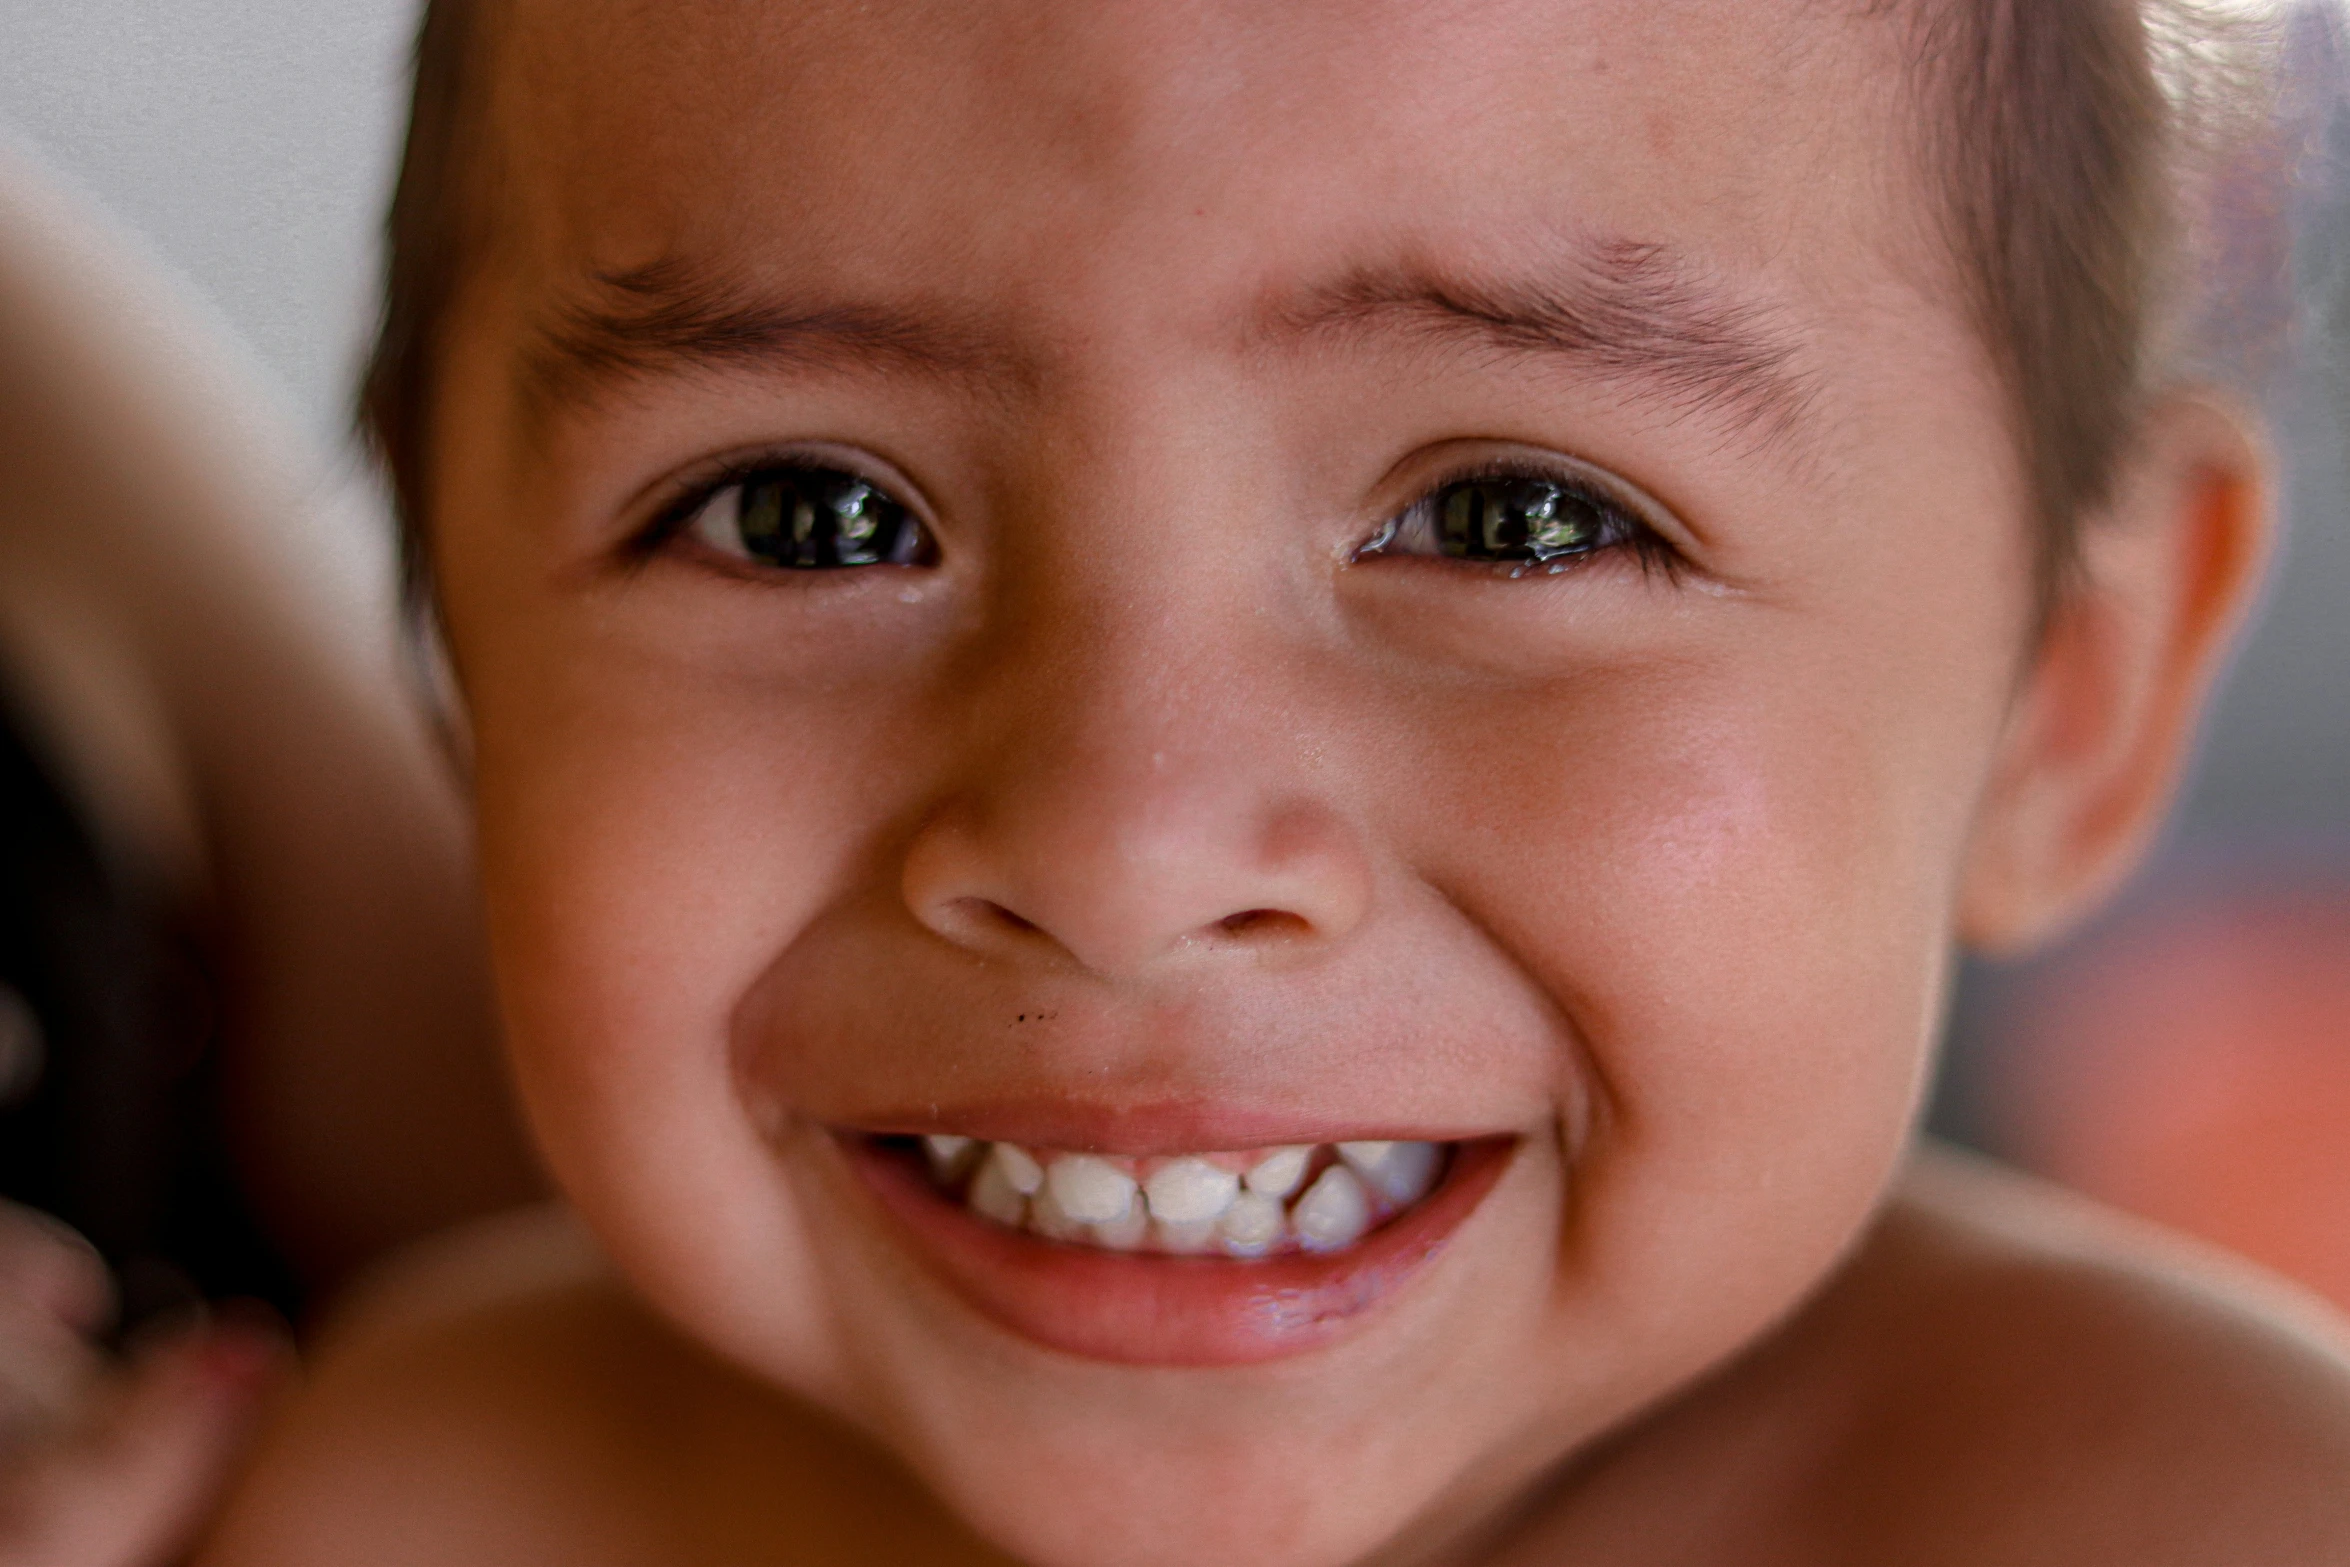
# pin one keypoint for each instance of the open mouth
(1208, 1258)
(1259, 1203)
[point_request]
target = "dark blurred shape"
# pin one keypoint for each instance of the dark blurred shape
(109, 1115)
(24, 1046)
(2188, 1060)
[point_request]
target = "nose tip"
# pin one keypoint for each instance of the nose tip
(1123, 908)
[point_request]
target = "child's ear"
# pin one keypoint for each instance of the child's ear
(2103, 723)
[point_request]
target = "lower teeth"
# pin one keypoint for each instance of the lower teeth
(1265, 1203)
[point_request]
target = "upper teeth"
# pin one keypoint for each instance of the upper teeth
(1398, 1172)
(1089, 1190)
(1232, 1203)
(1191, 1191)
(1334, 1212)
(1279, 1172)
(949, 1156)
(1022, 1173)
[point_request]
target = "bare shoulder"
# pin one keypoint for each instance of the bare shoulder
(453, 1406)
(2035, 1379)
(497, 1395)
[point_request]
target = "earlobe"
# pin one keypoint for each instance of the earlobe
(2104, 722)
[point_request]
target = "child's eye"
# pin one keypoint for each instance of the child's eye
(1519, 520)
(801, 517)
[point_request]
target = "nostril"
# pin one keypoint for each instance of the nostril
(985, 911)
(1263, 924)
(981, 918)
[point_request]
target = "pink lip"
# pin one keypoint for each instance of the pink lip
(1170, 1311)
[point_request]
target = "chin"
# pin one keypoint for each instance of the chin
(1100, 1407)
(1272, 1503)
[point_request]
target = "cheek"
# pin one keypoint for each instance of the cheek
(642, 855)
(666, 799)
(1737, 888)
(649, 842)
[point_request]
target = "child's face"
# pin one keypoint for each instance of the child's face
(1149, 811)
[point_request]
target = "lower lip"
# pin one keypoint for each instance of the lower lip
(1172, 1311)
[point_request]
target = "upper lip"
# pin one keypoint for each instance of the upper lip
(1141, 1130)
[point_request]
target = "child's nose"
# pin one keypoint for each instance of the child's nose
(1126, 889)
(1135, 836)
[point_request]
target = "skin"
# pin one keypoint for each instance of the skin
(1656, 872)
(112, 1461)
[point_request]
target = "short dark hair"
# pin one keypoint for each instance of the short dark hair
(436, 230)
(2059, 156)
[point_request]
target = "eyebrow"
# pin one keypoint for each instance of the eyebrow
(1631, 311)
(672, 316)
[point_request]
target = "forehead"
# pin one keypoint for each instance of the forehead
(1137, 154)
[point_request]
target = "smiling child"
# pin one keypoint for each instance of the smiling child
(1228, 756)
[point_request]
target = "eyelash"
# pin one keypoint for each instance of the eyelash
(1530, 530)
(892, 532)
(1530, 526)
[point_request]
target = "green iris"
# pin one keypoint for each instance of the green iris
(1505, 519)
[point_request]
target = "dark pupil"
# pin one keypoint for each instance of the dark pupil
(1516, 519)
(814, 517)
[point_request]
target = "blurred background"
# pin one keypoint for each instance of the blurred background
(247, 147)
(2187, 1056)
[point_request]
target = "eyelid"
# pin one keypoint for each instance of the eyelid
(661, 510)
(1664, 536)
